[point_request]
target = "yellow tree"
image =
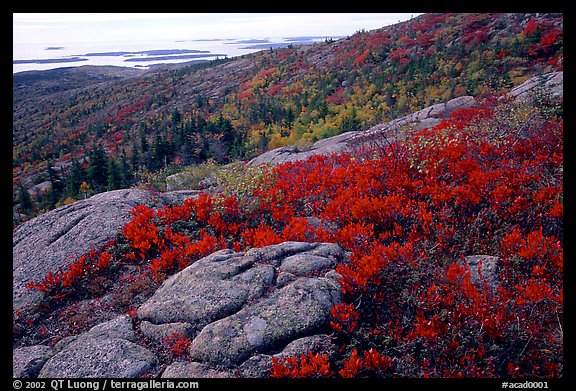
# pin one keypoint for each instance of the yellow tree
(85, 189)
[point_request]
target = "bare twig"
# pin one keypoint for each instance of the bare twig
(525, 346)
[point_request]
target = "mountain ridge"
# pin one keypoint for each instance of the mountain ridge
(238, 108)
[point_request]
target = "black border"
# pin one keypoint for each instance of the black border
(569, 175)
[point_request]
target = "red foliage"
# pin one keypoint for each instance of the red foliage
(177, 344)
(408, 219)
(62, 283)
(141, 231)
(550, 38)
(372, 363)
(530, 28)
(336, 97)
(345, 318)
(261, 236)
(306, 366)
(399, 54)
(361, 59)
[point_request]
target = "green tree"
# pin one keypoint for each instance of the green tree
(74, 178)
(159, 153)
(98, 169)
(125, 173)
(57, 185)
(142, 134)
(175, 118)
(135, 157)
(350, 122)
(290, 117)
(114, 176)
(24, 199)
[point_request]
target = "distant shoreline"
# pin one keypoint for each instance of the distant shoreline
(223, 48)
(49, 60)
(154, 52)
(180, 57)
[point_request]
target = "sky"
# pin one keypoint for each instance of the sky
(58, 29)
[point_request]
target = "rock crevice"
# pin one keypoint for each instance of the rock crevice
(232, 306)
(47, 243)
(237, 306)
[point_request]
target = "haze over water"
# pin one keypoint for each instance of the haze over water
(143, 53)
(46, 41)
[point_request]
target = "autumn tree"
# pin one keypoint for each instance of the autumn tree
(350, 122)
(85, 189)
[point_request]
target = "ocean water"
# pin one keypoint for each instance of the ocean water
(143, 54)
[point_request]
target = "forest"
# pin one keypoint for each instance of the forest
(126, 130)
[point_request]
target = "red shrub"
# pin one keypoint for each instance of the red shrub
(371, 364)
(177, 344)
(345, 318)
(306, 366)
(408, 215)
(141, 232)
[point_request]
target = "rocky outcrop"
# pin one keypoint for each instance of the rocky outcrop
(390, 131)
(27, 361)
(234, 302)
(237, 308)
(427, 117)
(257, 366)
(46, 243)
(106, 350)
(301, 308)
(194, 370)
(483, 268)
(553, 83)
(290, 154)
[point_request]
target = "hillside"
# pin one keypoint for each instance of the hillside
(438, 254)
(401, 214)
(238, 108)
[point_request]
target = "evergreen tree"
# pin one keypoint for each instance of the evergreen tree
(98, 170)
(226, 129)
(135, 158)
(176, 118)
(114, 176)
(263, 140)
(143, 142)
(322, 111)
(24, 199)
(76, 175)
(158, 153)
(125, 173)
(536, 36)
(57, 185)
